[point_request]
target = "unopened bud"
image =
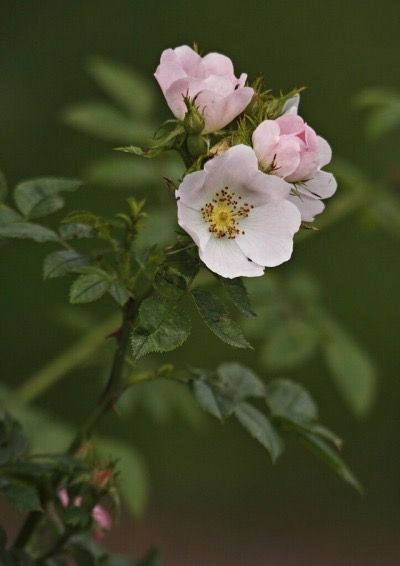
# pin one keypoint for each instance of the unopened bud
(193, 120)
(102, 478)
(197, 145)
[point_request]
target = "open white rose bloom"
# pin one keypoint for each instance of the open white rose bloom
(239, 217)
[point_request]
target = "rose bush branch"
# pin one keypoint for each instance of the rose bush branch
(254, 177)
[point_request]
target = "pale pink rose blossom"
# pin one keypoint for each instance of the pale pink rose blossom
(220, 96)
(291, 149)
(239, 217)
(100, 515)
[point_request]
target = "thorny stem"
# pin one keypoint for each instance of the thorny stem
(106, 402)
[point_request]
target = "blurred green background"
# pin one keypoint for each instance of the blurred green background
(215, 497)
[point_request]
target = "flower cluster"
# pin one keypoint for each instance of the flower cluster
(243, 202)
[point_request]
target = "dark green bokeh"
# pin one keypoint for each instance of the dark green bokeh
(334, 48)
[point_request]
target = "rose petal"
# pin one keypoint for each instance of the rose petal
(269, 231)
(325, 152)
(225, 258)
(265, 138)
(309, 206)
(192, 222)
(221, 110)
(291, 105)
(217, 64)
(322, 184)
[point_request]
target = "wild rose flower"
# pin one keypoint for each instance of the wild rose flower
(100, 515)
(238, 216)
(220, 96)
(291, 149)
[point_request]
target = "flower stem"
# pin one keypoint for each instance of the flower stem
(113, 387)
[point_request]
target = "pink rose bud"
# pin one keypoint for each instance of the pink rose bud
(100, 516)
(102, 519)
(290, 147)
(220, 96)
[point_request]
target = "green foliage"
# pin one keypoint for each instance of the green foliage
(127, 88)
(291, 410)
(28, 231)
(102, 120)
(76, 231)
(294, 410)
(325, 452)
(40, 197)
(162, 325)
(212, 310)
(129, 121)
(384, 110)
(89, 287)
(237, 293)
(133, 174)
(62, 262)
(8, 215)
(296, 325)
(350, 366)
(259, 426)
(23, 496)
(49, 436)
(13, 443)
(290, 344)
(226, 393)
(119, 293)
(381, 201)
(239, 381)
(290, 401)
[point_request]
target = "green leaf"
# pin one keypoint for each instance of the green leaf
(258, 426)
(89, 287)
(24, 496)
(320, 448)
(124, 85)
(62, 262)
(375, 97)
(162, 325)
(214, 314)
(119, 293)
(3, 186)
(291, 343)
(206, 398)
(85, 217)
(239, 382)
(385, 212)
(351, 368)
(13, 443)
(291, 401)
(76, 231)
(383, 120)
(140, 151)
(8, 215)
(122, 172)
(237, 293)
(45, 433)
(103, 121)
(39, 197)
(133, 475)
(26, 230)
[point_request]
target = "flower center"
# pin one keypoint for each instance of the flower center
(223, 214)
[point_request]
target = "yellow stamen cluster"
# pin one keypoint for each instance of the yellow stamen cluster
(223, 214)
